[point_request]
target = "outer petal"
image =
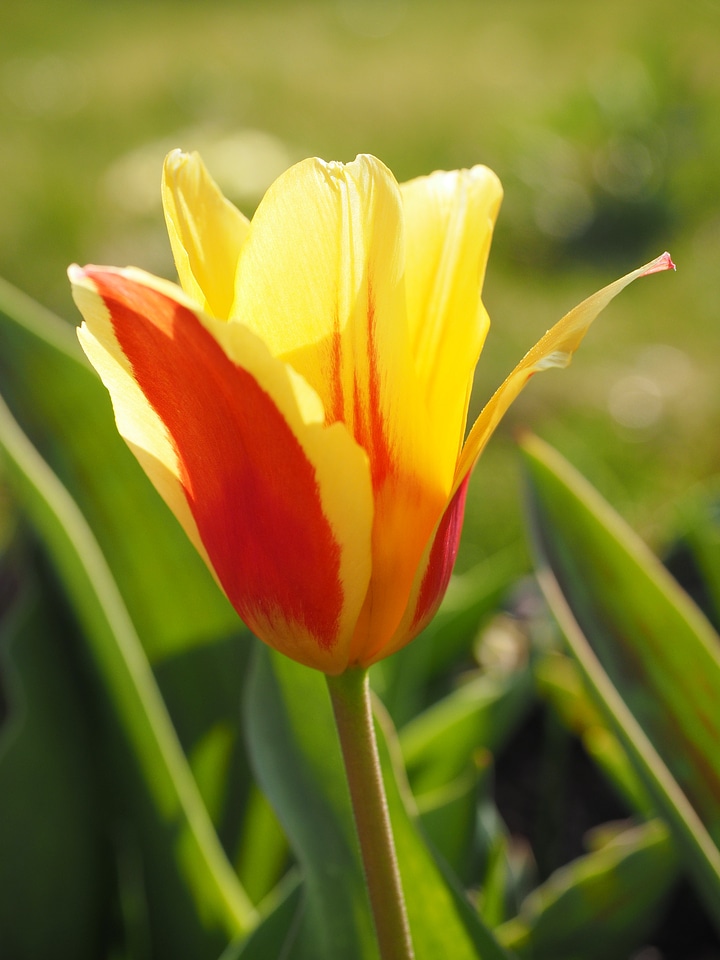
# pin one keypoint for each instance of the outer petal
(236, 443)
(321, 282)
(555, 349)
(206, 233)
(449, 219)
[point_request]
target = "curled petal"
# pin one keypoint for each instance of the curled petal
(236, 443)
(555, 349)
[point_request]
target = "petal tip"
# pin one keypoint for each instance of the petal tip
(80, 278)
(663, 262)
(76, 273)
(176, 160)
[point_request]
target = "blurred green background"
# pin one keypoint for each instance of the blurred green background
(602, 120)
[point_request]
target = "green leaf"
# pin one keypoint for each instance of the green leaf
(220, 909)
(647, 653)
(201, 687)
(278, 933)
(263, 848)
(443, 922)
(448, 816)
(702, 536)
(296, 756)
(601, 905)
(481, 714)
(559, 682)
(50, 823)
(62, 406)
(506, 869)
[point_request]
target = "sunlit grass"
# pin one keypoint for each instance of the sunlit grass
(599, 118)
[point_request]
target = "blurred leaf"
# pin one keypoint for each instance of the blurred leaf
(646, 651)
(448, 815)
(296, 755)
(202, 688)
(438, 744)
(263, 848)
(601, 905)
(443, 922)
(50, 824)
(506, 870)
(560, 683)
(705, 540)
(471, 597)
(220, 908)
(65, 410)
(278, 933)
(702, 538)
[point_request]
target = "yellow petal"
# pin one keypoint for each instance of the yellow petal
(555, 349)
(279, 504)
(320, 282)
(206, 233)
(449, 220)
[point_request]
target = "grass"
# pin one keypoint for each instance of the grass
(599, 119)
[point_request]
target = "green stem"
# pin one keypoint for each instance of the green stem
(350, 696)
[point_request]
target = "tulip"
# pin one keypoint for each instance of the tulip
(300, 399)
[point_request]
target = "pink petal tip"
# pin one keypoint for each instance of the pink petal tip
(75, 273)
(663, 262)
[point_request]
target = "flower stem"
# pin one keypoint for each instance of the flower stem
(350, 696)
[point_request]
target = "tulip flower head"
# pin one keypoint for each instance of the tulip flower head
(300, 399)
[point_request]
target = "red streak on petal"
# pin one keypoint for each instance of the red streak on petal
(336, 410)
(251, 489)
(370, 426)
(442, 559)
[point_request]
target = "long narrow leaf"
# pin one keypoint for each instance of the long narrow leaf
(444, 923)
(219, 899)
(647, 652)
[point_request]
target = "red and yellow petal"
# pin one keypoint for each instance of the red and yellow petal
(237, 444)
(321, 281)
(206, 232)
(430, 582)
